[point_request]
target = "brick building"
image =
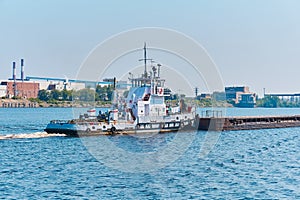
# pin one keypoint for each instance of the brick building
(22, 89)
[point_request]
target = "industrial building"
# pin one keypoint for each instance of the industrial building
(232, 92)
(60, 85)
(21, 89)
(3, 92)
(241, 96)
(29, 87)
(121, 85)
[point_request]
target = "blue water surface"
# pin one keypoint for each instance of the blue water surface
(254, 164)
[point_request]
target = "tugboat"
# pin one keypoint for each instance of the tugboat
(143, 111)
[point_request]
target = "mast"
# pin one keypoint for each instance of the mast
(145, 60)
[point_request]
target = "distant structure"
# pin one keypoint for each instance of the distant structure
(122, 85)
(61, 85)
(241, 96)
(204, 96)
(196, 91)
(3, 90)
(232, 92)
(285, 96)
(48, 83)
(15, 87)
(29, 86)
(219, 96)
(22, 69)
(21, 89)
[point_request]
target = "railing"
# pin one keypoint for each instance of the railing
(211, 113)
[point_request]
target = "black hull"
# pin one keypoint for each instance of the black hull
(139, 129)
(72, 133)
(61, 131)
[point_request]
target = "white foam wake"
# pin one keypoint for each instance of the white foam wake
(30, 135)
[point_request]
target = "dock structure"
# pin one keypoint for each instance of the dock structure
(18, 105)
(247, 122)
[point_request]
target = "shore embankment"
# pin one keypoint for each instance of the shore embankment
(25, 103)
(18, 103)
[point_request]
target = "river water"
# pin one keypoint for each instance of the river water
(252, 164)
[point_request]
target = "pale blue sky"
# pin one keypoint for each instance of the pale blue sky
(254, 43)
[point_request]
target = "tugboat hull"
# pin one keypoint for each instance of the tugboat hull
(96, 128)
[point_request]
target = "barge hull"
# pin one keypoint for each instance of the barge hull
(247, 123)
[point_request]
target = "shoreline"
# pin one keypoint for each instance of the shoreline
(24, 103)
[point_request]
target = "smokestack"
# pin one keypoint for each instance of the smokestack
(14, 78)
(14, 71)
(22, 70)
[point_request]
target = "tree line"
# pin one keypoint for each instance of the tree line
(104, 93)
(275, 102)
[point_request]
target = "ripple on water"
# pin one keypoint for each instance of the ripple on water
(260, 164)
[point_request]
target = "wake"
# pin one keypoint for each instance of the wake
(30, 135)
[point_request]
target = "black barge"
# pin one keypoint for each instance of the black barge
(247, 122)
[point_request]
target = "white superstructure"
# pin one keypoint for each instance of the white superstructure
(144, 110)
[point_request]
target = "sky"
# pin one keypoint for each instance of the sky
(252, 42)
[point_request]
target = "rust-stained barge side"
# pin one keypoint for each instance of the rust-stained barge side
(247, 122)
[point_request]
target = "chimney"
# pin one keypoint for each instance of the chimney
(14, 71)
(22, 70)
(14, 78)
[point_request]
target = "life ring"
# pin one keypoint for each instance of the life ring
(88, 130)
(113, 129)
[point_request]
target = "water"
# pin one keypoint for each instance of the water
(254, 164)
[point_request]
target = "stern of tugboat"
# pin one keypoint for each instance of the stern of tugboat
(61, 127)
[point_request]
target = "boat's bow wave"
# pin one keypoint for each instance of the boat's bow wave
(29, 135)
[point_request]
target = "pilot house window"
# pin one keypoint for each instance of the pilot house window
(157, 100)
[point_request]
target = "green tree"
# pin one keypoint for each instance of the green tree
(44, 95)
(55, 95)
(104, 93)
(85, 94)
(269, 102)
(67, 95)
